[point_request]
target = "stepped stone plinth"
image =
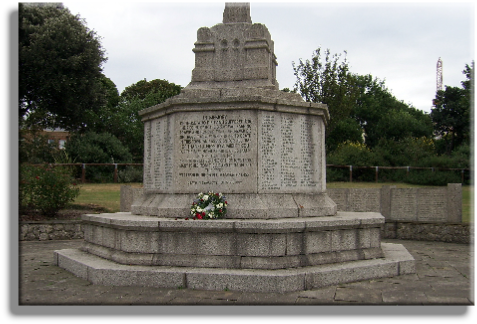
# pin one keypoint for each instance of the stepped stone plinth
(231, 130)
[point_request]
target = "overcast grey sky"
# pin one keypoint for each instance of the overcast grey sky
(396, 42)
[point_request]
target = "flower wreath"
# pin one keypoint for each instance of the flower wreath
(209, 206)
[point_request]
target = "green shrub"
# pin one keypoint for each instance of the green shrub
(47, 189)
(433, 178)
(97, 148)
(130, 174)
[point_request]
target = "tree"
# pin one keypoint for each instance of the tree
(451, 112)
(101, 120)
(381, 115)
(92, 147)
(327, 80)
(60, 64)
(142, 88)
(124, 121)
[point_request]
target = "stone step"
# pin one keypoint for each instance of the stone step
(397, 261)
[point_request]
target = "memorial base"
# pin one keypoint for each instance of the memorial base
(272, 255)
(245, 206)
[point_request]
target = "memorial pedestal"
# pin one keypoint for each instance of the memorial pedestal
(276, 255)
(232, 131)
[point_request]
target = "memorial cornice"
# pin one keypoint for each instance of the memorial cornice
(239, 102)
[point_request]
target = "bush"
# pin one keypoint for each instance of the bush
(130, 174)
(433, 178)
(97, 148)
(46, 189)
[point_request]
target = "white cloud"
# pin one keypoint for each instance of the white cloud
(399, 42)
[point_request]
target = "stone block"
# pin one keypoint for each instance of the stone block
(74, 261)
(282, 262)
(182, 225)
(252, 280)
(327, 275)
(317, 242)
(177, 243)
(364, 200)
(201, 261)
(343, 240)
(364, 238)
(431, 204)
(139, 242)
(108, 237)
(340, 197)
(216, 244)
(269, 226)
(261, 244)
(386, 200)
(373, 253)
(295, 243)
(404, 204)
(341, 220)
(398, 253)
(454, 202)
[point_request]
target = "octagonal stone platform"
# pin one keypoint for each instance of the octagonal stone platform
(275, 255)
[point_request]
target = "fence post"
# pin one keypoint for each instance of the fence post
(462, 174)
(407, 171)
(115, 177)
(350, 173)
(83, 174)
(377, 168)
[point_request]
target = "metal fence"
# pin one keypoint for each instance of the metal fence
(407, 168)
(350, 167)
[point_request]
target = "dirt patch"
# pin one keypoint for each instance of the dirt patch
(74, 212)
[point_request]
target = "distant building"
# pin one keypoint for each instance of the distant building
(56, 136)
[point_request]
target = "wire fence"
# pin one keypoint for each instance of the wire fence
(464, 172)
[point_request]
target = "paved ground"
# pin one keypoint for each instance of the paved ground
(444, 276)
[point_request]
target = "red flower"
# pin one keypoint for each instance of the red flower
(220, 210)
(37, 177)
(187, 218)
(199, 216)
(203, 214)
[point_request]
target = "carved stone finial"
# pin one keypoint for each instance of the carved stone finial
(237, 12)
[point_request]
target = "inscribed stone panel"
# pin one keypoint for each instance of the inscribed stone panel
(289, 153)
(432, 204)
(404, 204)
(148, 178)
(364, 200)
(216, 150)
(340, 197)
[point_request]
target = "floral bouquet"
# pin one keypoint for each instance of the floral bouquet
(209, 206)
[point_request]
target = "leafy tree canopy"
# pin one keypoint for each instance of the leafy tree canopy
(451, 112)
(327, 80)
(142, 88)
(60, 64)
(121, 116)
(358, 104)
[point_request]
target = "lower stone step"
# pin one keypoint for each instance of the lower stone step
(397, 261)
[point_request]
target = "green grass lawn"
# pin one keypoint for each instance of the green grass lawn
(102, 194)
(107, 194)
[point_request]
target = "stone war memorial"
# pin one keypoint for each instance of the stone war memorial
(232, 131)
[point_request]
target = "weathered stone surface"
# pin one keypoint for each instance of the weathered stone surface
(232, 131)
(101, 271)
(50, 230)
(443, 204)
(229, 243)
